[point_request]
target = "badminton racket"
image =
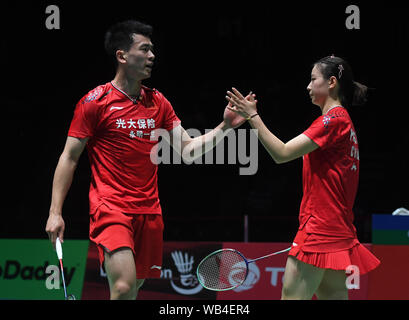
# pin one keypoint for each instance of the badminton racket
(226, 269)
(58, 248)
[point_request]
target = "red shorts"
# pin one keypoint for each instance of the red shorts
(142, 233)
(323, 252)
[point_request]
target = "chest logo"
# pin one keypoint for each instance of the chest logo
(143, 127)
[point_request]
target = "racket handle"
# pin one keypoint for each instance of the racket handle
(58, 248)
(63, 280)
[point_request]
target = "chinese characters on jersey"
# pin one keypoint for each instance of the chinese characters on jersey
(140, 128)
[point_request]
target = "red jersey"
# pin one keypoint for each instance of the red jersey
(121, 136)
(330, 180)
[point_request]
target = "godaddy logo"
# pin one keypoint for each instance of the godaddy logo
(13, 269)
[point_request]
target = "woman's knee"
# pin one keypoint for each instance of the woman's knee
(333, 286)
(300, 280)
(287, 292)
(291, 278)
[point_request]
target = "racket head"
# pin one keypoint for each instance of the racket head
(222, 270)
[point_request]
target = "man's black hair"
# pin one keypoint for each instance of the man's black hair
(119, 36)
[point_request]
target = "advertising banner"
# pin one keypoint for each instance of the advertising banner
(29, 269)
(178, 276)
(95, 280)
(265, 277)
(390, 281)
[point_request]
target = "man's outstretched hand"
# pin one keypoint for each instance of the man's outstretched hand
(232, 118)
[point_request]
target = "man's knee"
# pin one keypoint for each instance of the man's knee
(124, 290)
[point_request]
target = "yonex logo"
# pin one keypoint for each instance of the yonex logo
(187, 284)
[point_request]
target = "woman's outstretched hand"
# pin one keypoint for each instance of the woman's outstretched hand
(244, 106)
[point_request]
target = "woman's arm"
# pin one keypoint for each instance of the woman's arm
(281, 152)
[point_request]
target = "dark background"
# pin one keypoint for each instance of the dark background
(202, 49)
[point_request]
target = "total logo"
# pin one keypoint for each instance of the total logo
(253, 276)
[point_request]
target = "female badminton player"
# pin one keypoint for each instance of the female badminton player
(326, 243)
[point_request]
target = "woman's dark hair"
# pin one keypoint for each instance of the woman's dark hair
(351, 93)
(119, 36)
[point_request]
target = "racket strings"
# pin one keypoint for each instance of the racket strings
(222, 270)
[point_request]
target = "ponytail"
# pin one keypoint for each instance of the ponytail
(359, 95)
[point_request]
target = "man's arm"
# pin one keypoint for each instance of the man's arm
(281, 152)
(192, 148)
(62, 181)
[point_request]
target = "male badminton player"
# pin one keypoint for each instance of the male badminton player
(117, 123)
(326, 242)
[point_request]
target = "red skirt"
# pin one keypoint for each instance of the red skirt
(332, 255)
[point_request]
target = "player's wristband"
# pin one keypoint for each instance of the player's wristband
(251, 117)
